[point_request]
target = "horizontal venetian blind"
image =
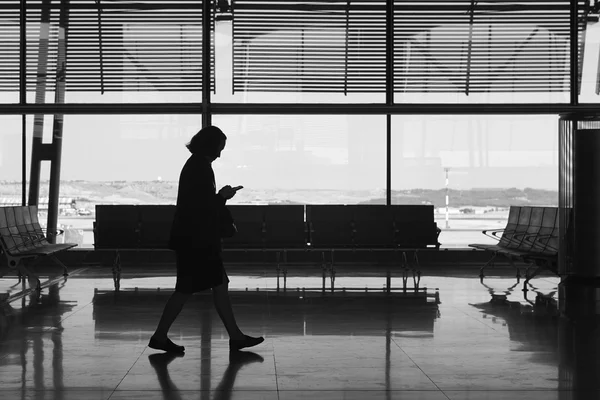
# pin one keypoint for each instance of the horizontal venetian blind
(484, 46)
(309, 46)
(112, 45)
(9, 45)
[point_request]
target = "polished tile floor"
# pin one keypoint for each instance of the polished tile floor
(80, 339)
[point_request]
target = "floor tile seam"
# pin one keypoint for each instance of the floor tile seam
(275, 368)
(126, 373)
(65, 317)
(421, 369)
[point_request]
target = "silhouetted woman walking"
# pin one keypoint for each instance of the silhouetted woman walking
(196, 240)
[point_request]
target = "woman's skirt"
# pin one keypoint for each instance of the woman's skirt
(199, 269)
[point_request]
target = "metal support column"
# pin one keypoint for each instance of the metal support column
(57, 129)
(574, 54)
(389, 93)
(207, 11)
(579, 196)
(37, 146)
(23, 96)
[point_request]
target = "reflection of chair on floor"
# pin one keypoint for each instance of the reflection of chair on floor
(535, 328)
(542, 299)
(494, 293)
(29, 330)
(112, 308)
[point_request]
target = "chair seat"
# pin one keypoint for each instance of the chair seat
(490, 247)
(48, 249)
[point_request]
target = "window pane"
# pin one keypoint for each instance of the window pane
(492, 162)
(120, 159)
(307, 159)
(136, 159)
(10, 153)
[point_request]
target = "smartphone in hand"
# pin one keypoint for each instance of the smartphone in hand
(236, 188)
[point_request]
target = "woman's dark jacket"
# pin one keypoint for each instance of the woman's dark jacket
(196, 222)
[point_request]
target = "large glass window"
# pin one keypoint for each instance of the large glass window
(136, 159)
(307, 159)
(119, 159)
(484, 163)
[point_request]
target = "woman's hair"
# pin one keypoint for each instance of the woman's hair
(206, 142)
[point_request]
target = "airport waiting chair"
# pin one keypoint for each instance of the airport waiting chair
(250, 223)
(155, 225)
(330, 226)
(373, 226)
(117, 227)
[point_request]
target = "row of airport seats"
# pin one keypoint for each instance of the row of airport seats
(531, 234)
(22, 238)
(278, 226)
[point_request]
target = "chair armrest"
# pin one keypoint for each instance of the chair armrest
(57, 233)
(494, 231)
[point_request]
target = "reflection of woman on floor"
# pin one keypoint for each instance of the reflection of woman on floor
(195, 238)
(237, 360)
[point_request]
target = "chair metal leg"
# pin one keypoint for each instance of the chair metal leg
(536, 272)
(489, 263)
(331, 266)
(416, 259)
(64, 267)
(404, 259)
(116, 270)
(25, 272)
(416, 278)
(388, 280)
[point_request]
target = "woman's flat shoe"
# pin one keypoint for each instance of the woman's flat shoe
(167, 346)
(248, 341)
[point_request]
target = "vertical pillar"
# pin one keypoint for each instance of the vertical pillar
(574, 54)
(23, 96)
(389, 93)
(586, 203)
(579, 357)
(207, 18)
(57, 129)
(579, 200)
(37, 147)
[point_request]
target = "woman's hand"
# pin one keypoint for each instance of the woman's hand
(227, 192)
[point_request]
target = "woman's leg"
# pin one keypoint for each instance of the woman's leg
(170, 313)
(223, 306)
